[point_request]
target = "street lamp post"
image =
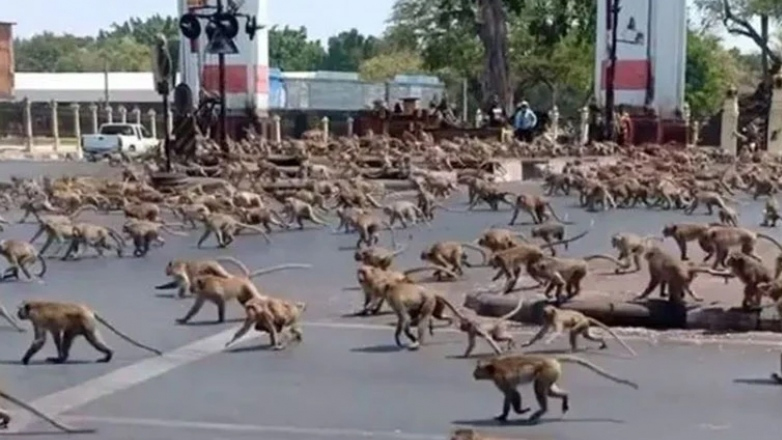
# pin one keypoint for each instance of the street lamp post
(611, 72)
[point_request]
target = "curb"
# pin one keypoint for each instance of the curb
(654, 314)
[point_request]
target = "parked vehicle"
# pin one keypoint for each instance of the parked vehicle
(131, 139)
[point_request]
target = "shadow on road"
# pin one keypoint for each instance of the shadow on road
(526, 422)
(757, 381)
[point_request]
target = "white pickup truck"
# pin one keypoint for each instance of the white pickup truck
(131, 139)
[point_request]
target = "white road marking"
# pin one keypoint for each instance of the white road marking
(236, 427)
(125, 377)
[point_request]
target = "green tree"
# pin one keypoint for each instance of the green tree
(291, 50)
(386, 66)
(347, 50)
(710, 72)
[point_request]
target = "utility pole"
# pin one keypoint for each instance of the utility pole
(611, 71)
(223, 112)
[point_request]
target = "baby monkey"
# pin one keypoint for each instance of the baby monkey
(272, 316)
(492, 332)
(577, 324)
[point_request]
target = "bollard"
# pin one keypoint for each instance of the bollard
(325, 127)
(686, 115)
(350, 126)
(94, 116)
(554, 116)
(123, 114)
(77, 130)
(730, 120)
(584, 126)
(55, 126)
(28, 125)
(136, 115)
(478, 118)
(152, 122)
(277, 128)
(109, 114)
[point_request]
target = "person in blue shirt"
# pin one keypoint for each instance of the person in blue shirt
(524, 122)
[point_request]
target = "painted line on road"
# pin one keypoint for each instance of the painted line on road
(126, 377)
(238, 427)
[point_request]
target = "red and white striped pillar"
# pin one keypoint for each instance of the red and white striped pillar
(246, 73)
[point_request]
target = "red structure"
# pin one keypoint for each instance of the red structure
(6, 61)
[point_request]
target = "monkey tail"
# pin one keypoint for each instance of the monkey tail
(257, 229)
(430, 267)
(450, 306)
(126, 337)
(613, 334)
(373, 201)
(116, 236)
(514, 311)
(43, 265)
(82, 208)
(235, 261)
(770, 239)
(571, 239)
(602, 257)
(37, 412)
(554, 214)
(477, 249)
(403, 248)
(569, 359)
(167, 228)
(278, 268)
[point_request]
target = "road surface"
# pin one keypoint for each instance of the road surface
(347, 380)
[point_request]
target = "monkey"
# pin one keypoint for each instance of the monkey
(140, 211)
(273, 316)
(563, 274)
(185, 270)
(450, 254)
(577, 324)
(190, 212)
(225, 227)
(368, 226)
(491, 195)
(144, 233)
(265, 217)
(66, 321)
(537, 207)
(371, 279)
(771, 213)
(722, 238)
(299, 210)
(509, 371)
(35, 207)
(378, 257)
(348, 217)
(20, 255)
(550, 232)
(666, 270)
(709, 198)
(57, 230)
(86, 234)
(728, 216)
(684, 233)
(752, 273)
(630, 245)
(5, 417)
(777, 377)
(219, 290)
(496, 239)
(493, 332)
(404, 211)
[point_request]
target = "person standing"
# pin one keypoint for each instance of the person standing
(524, 122)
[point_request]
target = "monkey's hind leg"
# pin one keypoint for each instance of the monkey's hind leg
(94, 338)
(542, 392)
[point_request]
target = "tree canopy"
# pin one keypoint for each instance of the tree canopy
(541, 50)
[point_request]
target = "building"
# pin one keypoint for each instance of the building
(294, 91)
(6, 61)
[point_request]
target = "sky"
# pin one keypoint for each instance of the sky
(59, 16)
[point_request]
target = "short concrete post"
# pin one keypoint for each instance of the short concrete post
(351, 121)
(94, 117)
(730, 122)
(324, 122)
(774, 140)
(696, 133)
(28, 125)
(123, 114)
(55, 126)
(109, 114)
(583, 128)
(77, 129)
(136, 115)
(554, 116)
(478, 118)
(686, 116)
(276, 128)
(152, 122)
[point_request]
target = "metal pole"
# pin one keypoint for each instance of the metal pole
(223, 113)
(106, 80)
(611, 73)
(166, 136)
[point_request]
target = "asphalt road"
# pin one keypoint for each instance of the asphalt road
(326, 386)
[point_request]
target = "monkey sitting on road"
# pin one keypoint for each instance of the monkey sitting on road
(509, 371)
(273, 316)
(5, 417)
(577, 324)
(20, 255)
(66, 321)
(492, 332)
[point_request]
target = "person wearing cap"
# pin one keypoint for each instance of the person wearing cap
(524, 122)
